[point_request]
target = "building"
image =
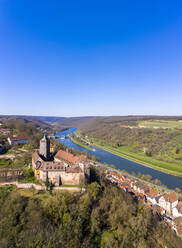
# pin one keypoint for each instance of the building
(168, 201)
(177, 211)
(151, 196)
(17, 140)
(64, 168)
(45, 147)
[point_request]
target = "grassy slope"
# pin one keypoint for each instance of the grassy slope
(124, 137)
(144, 160)
(80, 143)
(161, 124)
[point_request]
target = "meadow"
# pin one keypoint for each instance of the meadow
(151, 142)
(161, 124)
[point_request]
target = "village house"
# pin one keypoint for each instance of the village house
(177, 211)
(64, 168)
(132, 183)
(168, 201)
(17, 140)
(137, 186)
(166, 207)
(144, 189)
(125, 186)
(151, 196)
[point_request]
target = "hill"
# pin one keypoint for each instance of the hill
(49, 119)
(103, 216)
(36, 122)
(153, 140)
(84, 121)
(76, 122)
(27, 126)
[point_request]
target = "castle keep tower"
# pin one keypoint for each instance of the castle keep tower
(45, 147)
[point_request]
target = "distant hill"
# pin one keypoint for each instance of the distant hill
(153, 139)
(49, 119)
(90, 121)
(76, 122)
(84, 122)
(108, 121)
(36, 122)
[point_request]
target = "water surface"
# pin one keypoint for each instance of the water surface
(170, 181)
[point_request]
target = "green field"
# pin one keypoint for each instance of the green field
(161, 124)
(81, 144)
(170, 168)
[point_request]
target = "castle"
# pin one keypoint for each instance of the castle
(63, 168)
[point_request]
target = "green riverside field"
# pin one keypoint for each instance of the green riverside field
(169, 168)
(81, 144)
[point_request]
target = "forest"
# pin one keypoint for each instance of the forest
(162, 144)
(102, 216)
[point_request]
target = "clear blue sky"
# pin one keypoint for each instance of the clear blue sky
(76, 58)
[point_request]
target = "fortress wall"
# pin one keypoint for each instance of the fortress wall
(65, 178)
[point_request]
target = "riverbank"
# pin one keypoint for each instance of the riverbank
(172, 169)
(81, 143)
(171, 180)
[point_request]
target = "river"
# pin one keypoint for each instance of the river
(170, 181)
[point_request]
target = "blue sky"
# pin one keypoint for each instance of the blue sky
(77, 58)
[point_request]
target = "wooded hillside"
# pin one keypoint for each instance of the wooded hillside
(103, 216)
(164, 144)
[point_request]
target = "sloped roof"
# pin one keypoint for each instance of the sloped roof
(171, 197)
(67, 156)
(18, 138)
(36, 157)
(153, 193)
(158, 197)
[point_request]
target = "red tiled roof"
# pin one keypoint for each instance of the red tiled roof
(171, 197)
(67, 156)
(18, 138)
(153, 193)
